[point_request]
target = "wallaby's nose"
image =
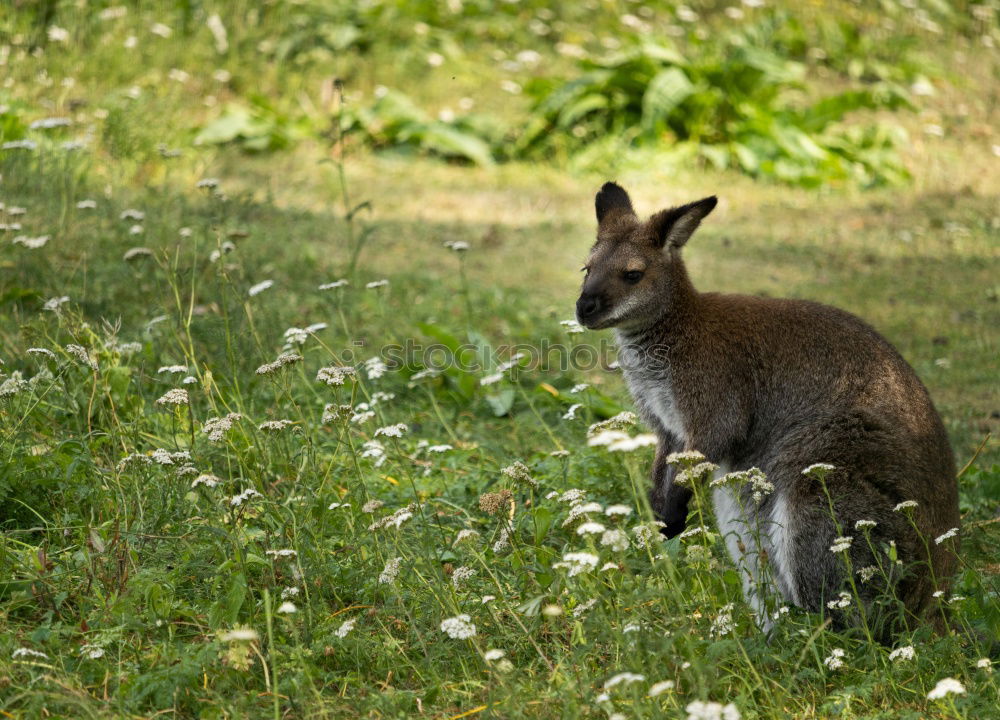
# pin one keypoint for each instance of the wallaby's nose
(587, 306)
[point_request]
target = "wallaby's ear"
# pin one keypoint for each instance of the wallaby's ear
(612, 199)
(676, 225)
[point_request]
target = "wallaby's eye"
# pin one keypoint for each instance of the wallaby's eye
(632, 276)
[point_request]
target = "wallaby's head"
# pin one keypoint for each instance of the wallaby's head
(635, 266)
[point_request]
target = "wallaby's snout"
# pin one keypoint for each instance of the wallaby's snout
(588, 307)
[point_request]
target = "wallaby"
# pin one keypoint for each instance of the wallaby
(779, 385)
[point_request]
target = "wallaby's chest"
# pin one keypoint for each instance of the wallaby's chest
(652, 389)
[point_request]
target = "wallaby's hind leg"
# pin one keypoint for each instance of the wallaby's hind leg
(826, 562)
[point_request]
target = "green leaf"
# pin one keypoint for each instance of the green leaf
(500, 403)
(666, 91)
(446, 140)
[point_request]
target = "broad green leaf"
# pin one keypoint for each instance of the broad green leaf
(500, 403)
(667, 90)
(446, 140)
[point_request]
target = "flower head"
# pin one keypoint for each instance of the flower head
(945, 687)
(841, 544)
(950, 534)
(835, 660)
(699, 710)
(577, 562)
(177, 396)
(519, 474)
(390, 571)
(458, 627)
(903, 653)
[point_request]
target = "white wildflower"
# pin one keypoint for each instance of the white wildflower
(865, 525)
(93, 652)
(81, 354)
(240, 635)
(42, 351)
(985, 664)
(345, 628)
(570, 413)
(490, 379)
(841, 544)
(579, 387)
(336, 374)
(371, 506)
(460, 575)
(945, 687)
(362, 416)
(492, 655)
(206, 479)
(867, 573)
(275, 425)
(376, 284)
(375, 451)
(519, 474)
(625, 678)
(842, 601)
(723, 623)
(86, 205)
(53, 304)
(465, 534)
(335, 284)
(458, 627)
(503, 542)
(699, 710)
(580, 510)
(28, 652)
(616, 539)
(164, 31)
(177, 396)
(32, 243)
(905, 505)
(395, 520)
(287, 608)
(660, 687)
(582, 608)
(439, 448)
(133, 214)
(577, 562)
(58, 34)
(904, 653)
(618, 510)
(820, 469)
(835, 660)
(243, 497)
(950, 534)
(375, 368)
(395, 431)
(282, 553)
(590, 528)
(685, 457)
(216, 427)
(390, 571)
(260, 287)
(618, 422)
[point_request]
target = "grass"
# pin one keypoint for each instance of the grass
(139, 594)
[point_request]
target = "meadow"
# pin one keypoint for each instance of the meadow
(295, 420)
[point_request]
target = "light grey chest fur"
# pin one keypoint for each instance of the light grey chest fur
(652, 389)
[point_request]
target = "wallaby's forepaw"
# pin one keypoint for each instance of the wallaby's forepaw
(672, 510)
